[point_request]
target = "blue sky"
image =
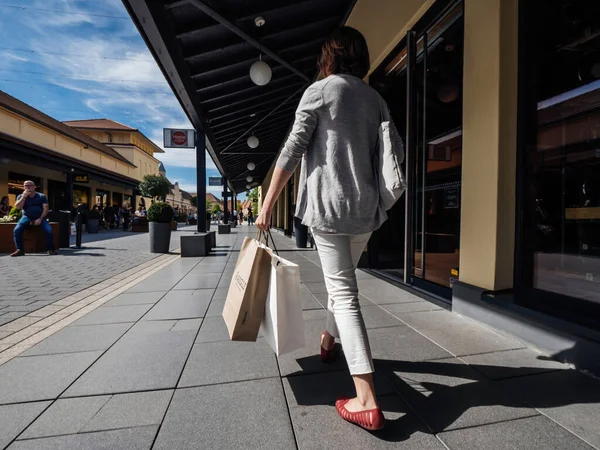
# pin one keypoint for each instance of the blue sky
(88, 61)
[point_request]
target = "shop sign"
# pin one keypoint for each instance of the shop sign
(80, 178)
(178, 138)
(451, 198)
(215, 181)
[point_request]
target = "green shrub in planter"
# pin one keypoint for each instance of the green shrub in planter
(160, 212)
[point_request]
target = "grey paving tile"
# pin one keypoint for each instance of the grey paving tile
(66, 416)
(157, 283)
(316, 288)
(226, 361)
(375, 317)
(242, 415)
(136, 298)
(126, 439)
(216, 307)
(216, 268)
(198, 281)
(181, 305)
(149, 357)
(459, 335)
(131, 410)
(308, 359)
(187, 325)
(41, 377)
(318, 424)
(80, 339)
(383, 293)
(325, 388)
(448, 394)
(398, 309)
(525, 434)
(309, 301)
(113, 314)
(403, 344)
(213, 329)
(15, 418)
(512, 363)
(570, 398)
(315, 314)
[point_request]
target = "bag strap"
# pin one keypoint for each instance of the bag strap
(266, 234)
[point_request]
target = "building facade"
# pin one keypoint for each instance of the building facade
(69, 167)
(498, 103)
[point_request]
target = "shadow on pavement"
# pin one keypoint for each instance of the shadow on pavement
(431, 407)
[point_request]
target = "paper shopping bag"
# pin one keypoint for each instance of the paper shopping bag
(245, 304)
(283, 325)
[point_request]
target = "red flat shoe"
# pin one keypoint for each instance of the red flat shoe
(327, 355)
(371, 419)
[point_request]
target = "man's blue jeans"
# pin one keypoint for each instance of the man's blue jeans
(25, 222)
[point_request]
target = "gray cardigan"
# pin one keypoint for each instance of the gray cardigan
(335, 136)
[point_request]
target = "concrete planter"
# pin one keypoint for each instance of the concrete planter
(160, 237)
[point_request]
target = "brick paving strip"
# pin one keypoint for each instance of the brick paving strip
(23, 333)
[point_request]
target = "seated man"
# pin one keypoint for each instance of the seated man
(35, 210)
(140, 212)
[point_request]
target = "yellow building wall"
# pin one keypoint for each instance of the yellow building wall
(30, 131)
(384, 23)
(489, 143)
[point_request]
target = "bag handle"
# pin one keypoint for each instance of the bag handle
(266, 234)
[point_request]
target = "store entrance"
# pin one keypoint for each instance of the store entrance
(422, 84)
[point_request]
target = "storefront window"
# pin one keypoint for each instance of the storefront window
(81, 195)
(15, 185)
(561, 189)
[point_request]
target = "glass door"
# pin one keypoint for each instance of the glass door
(436, 150)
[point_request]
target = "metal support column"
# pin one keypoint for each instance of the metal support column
(411, 155)
(225, 218)
(69, 205)
(201, 180)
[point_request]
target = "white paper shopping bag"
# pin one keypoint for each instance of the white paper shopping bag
(283, 325)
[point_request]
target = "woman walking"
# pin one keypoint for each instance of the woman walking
(335, 135)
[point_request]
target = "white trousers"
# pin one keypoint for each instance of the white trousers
(339, 254)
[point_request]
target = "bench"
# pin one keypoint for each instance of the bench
(139, 225)
(197, 244)
(34, 239)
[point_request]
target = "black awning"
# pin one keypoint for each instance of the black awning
(205, 49)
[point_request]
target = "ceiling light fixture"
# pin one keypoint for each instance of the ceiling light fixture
(252, 141)
(260, 72)
(248, 186)
(249, 179)
(251, 166)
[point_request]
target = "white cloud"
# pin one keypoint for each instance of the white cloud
(10, 55)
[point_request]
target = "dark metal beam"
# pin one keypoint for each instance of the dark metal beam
(265, 117)
(234, 29)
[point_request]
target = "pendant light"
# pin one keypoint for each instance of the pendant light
(260, 72)
(252, 141)
(248, 186)
(249, 179)
(251, 166)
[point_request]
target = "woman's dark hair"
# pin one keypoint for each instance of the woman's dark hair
(5, 198)
(345, 52)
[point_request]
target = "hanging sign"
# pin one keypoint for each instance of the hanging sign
(215, 181)
(178, 138)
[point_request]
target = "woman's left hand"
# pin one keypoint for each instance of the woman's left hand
(263, 221)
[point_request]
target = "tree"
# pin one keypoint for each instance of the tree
(253, 196)
(216, 208)
(155, 186)
(208, 205)
(194, 201)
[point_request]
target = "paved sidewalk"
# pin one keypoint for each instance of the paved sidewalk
(35, 281)
(153, 368)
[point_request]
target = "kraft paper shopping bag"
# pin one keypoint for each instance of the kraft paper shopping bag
(245, 304)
